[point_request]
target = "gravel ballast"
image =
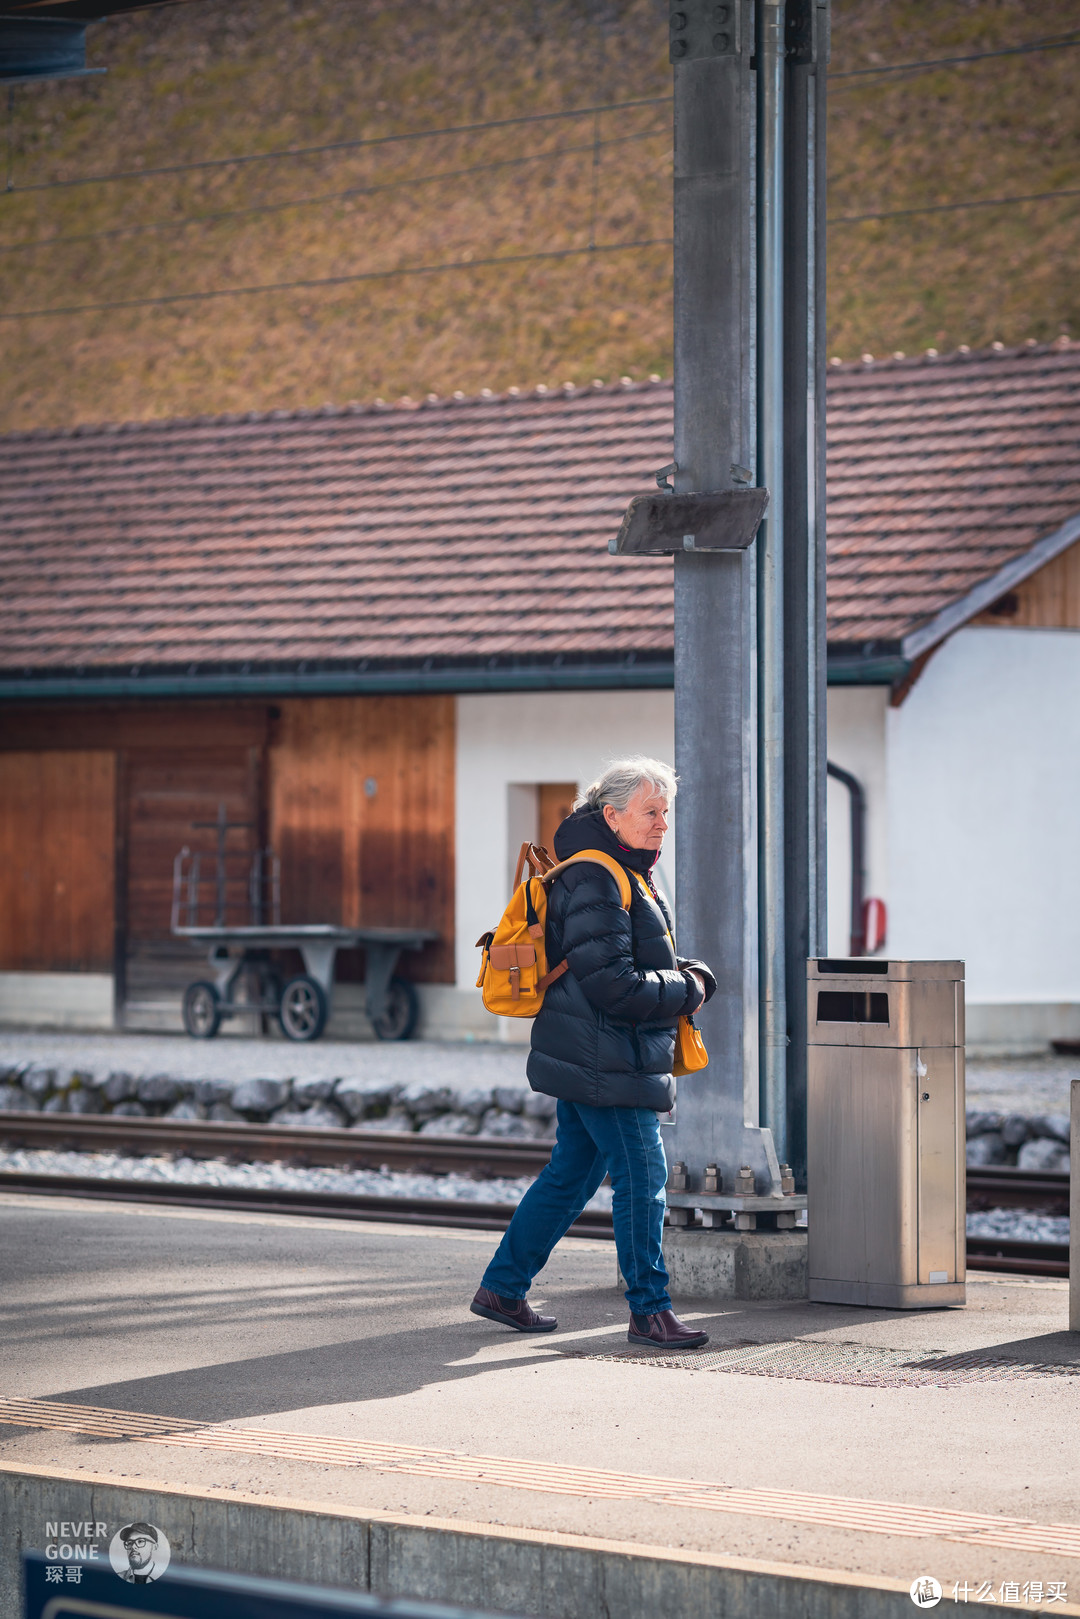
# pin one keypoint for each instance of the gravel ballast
(165, 1170)
(1016, 1115)
(1021, 1225)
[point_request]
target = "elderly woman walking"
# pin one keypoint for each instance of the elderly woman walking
(603, 1043)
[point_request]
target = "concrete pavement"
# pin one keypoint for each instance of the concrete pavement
(337, 1364)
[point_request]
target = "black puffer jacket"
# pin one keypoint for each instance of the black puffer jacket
(605, 1034)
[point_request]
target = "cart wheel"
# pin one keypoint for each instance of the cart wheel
(202, 1010)
(303, 1008)
(402, 1011)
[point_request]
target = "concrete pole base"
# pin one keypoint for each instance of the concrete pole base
(735, 1264)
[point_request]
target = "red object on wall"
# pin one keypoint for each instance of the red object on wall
(874, 924)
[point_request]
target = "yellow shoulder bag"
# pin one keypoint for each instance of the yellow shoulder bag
(690, 1053)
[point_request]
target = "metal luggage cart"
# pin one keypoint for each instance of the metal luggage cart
(241, 956)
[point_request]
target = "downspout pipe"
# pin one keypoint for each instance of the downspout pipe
(857, 800)
(770, 548)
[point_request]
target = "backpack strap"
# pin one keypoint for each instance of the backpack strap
(536, 858)
(549, 978)
(596, 857)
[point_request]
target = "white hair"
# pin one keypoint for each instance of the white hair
(623, 778)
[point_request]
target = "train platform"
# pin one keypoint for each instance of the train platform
(312, 1399)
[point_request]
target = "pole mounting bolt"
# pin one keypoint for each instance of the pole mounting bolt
(694, 26)
(787, 1180)
(744, 1182)
(678, 1181)
(711, 1179)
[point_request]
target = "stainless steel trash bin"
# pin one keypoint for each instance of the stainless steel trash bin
(885, 1126)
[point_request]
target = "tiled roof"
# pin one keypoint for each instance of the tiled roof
(466, 529)
(940, 472)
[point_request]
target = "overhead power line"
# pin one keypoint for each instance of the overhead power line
(334, 280)
(329, 196)
(280, 154)
(1057, 42)
(315, 283)
(953, 207)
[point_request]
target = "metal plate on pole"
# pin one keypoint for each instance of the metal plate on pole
(661, 525)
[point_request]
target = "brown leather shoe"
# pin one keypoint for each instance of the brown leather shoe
(516, 1313)
(664, 1330)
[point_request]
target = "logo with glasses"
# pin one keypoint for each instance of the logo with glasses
(139, 1553)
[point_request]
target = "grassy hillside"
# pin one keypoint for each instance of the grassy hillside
(224, 77)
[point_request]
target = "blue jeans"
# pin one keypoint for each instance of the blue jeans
(623, 1142)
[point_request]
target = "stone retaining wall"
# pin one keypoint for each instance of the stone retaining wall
(499, 1111)
(1039, 1141)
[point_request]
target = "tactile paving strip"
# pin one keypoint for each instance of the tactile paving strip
(587, 1483)
(856, 1364)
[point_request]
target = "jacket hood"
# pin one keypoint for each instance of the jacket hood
(586, 828)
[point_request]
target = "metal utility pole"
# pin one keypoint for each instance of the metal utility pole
(749, 636)
(769, 61)
(716, 595)
(805, 753)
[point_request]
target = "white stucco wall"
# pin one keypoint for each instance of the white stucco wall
(984, 814)
(56, 1000)
(526, 737)
(856, 742)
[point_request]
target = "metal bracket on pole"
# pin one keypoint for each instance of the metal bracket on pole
(661, 525)
(701, 28)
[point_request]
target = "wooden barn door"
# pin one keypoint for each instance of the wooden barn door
(56, 861)
(361, 801)
(165, 796)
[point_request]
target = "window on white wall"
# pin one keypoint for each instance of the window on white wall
(534, 811)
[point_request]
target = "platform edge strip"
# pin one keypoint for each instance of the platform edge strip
(843, 1593)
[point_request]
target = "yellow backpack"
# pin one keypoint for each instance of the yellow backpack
(513, 969)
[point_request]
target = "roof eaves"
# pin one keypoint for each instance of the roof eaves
(633, 670)
(870, 663)
(958, 613)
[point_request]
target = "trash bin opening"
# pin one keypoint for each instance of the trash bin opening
(852, 1006)
(853, 969)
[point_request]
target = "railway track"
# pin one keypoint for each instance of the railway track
(480, 1158)
(1006, 1188)
(451, 1212)
(483, 1158)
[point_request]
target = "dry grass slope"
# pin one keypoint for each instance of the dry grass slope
(248, 76)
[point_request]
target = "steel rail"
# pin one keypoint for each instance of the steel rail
(1001, 1255)
(426, 1211)
(1001, 1187)
(479, 1157)
(1020, 1258)
(484, 1158)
